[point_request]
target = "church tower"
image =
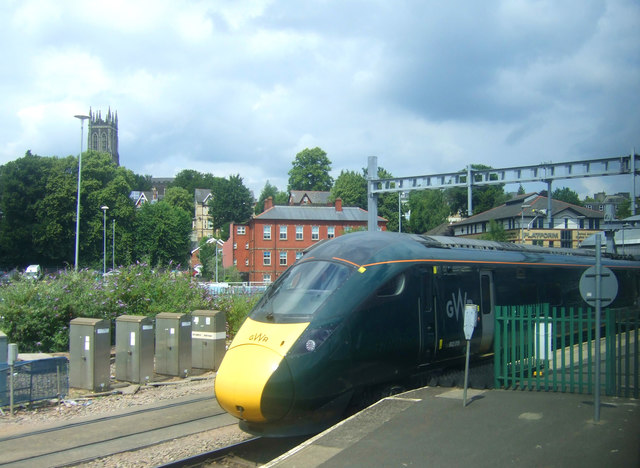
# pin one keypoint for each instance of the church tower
(103, 134)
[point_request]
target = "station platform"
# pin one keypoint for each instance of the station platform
(430, 427)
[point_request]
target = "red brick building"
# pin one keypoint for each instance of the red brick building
(269, 243)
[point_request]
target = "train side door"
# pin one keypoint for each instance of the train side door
(487, 306)
(426, 305)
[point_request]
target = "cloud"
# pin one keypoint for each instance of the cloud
(242, 86)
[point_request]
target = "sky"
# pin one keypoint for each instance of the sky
(240, 87)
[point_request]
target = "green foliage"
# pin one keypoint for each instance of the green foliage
(624, 209)
(163, 234)
(180, 198)
(237, 308)
(190, 180)
(429, 209)
(483, 197)
(38, 199)
(310, 171)
(207, 257)
(36, 314)
(496, 232)
(279, 198)
(351, 187)
(388, 203)
(142, 182)
(567, 195)
(23, 183)
(231, 201)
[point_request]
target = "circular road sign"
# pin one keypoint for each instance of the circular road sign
(608, 286)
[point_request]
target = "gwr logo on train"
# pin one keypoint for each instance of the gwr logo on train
(456, 306)
(259, 337)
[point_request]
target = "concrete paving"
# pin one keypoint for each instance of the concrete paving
(430, 427)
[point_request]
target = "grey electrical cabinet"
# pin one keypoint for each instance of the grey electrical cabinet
(89, 353)
(134, 348)
(208, 336)
(173, 344)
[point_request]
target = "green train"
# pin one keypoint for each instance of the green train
(369, 310)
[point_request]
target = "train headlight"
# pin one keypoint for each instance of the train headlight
(313, 338)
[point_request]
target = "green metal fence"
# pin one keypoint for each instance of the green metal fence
(538, 347)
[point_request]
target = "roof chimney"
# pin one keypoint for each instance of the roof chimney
(268, 203)
(338, 204)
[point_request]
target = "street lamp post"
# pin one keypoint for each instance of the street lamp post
(104, 209)
(113, 246)
(82, 119)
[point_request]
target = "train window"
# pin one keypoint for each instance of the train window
(393, 287)
(302, 289)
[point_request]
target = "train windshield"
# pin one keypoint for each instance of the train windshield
(301, 290)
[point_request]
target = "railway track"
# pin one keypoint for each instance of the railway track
(251, 452)
(77, 442)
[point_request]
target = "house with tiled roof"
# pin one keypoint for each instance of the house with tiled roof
(308, 197)
(524, 219)
(202, 226)
(269, 243)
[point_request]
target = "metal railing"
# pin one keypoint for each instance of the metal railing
(33, 381)
(538, 347)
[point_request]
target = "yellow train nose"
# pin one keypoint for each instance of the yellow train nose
(243, 377)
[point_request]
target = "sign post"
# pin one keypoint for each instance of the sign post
(470, 320)
(599, 286)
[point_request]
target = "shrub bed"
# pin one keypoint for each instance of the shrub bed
(36, 314)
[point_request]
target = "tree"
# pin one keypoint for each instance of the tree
(496, 232)
(429, 209)
(567, 195)
(180, 198)
(310, 171)
(142, 182)
(483, 197)
(279, 198)
(190, 180)
(231, 201)
(163, 234)
(105, 184)
(22, 185)
(623, 210)
(351, 187)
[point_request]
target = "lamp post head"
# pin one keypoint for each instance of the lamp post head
(104, 208)
(82, 117)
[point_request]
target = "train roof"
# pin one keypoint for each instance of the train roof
(362, 247)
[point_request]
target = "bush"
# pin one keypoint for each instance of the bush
(236, 308)
(36, 315)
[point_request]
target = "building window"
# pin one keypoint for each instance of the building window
(266, 278)
(266, 258)
(331, 232)
(315, 233)
(266, 232)
(246, 262)
(283, 258)
(235, 245)
(298, 255)
(246, 246)
(235, 262)
(241, 230)
(299, 235)
(283, 232)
